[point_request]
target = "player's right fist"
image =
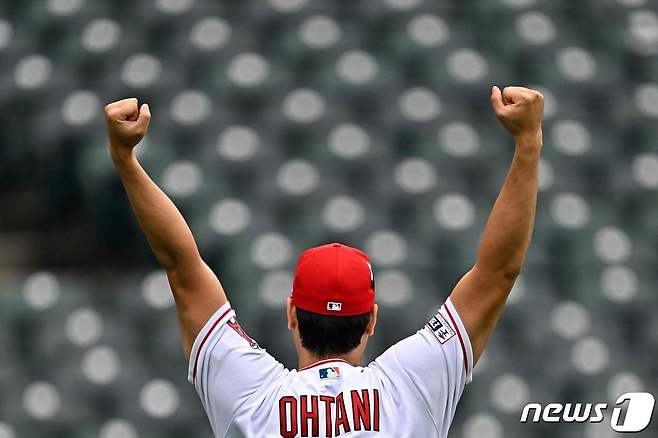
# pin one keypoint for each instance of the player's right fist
(126, 124)
(520, 110)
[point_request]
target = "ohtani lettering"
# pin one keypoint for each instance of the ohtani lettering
(305, 414)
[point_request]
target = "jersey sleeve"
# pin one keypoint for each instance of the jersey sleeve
(227, 368)
(434, 364)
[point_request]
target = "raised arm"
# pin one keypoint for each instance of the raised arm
(480, 295)
(197, 290)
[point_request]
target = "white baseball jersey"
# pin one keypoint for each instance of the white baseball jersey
(411, 390)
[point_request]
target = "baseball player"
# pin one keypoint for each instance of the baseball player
(413, 388)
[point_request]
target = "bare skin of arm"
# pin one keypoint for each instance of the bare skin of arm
(197, 291)
(480, 295)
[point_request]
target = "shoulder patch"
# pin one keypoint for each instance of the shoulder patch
(235, 325)
(440, 327)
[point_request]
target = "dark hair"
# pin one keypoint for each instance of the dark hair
(326, 335)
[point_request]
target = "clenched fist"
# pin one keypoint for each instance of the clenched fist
(126, 124)
(520, 110)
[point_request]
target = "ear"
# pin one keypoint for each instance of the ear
(370, 329)
(291, 311)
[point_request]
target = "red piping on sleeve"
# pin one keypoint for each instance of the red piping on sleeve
(461, 340)
(205, 338)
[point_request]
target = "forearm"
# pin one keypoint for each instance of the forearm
(166, 231)
(508, 230)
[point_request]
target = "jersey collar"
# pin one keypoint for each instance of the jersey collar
(323, 362)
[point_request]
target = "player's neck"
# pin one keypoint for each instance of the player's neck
(306, 358)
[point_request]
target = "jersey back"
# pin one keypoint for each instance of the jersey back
(411, 390)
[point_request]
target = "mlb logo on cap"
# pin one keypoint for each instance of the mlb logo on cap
(329, 373)
(331, 305)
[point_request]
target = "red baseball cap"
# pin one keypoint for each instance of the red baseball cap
(334, 279)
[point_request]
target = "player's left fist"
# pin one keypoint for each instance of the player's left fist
(126, 124)
(520, 110)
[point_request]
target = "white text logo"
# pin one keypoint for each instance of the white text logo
(632, 412)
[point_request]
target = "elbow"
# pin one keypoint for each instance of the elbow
(504, 280)
(176, 260)
(177, 267)
(168, 262)
(510, 274)
(503, 276)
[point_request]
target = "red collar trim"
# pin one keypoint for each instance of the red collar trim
(322, 362)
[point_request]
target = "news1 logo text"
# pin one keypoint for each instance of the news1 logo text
(631, 413)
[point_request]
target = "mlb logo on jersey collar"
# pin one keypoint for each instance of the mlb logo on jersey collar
(329, 373)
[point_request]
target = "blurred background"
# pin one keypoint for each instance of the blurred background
(283, 124)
